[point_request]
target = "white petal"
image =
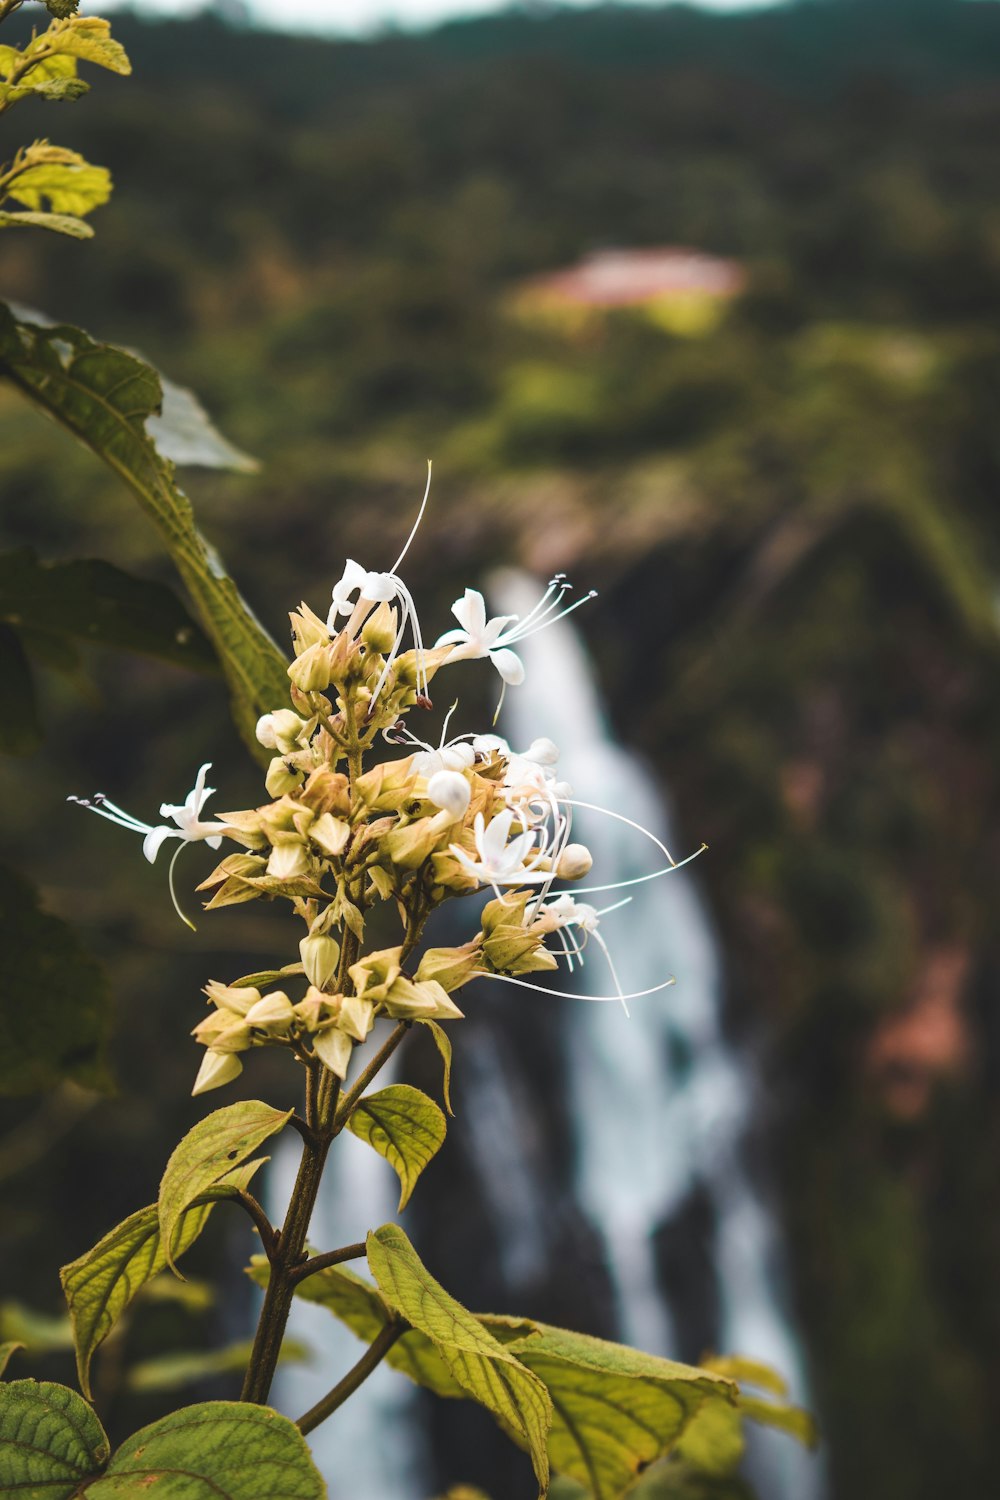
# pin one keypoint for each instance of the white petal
(155, 838)
(379, 587)
(543, 751)
(509, 665)
(265, 732)
(492, 841)
(470, 612)
(350, 581)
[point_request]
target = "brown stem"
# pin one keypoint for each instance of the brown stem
(378, 1062)
(329, 1258)
(360, 1372)
(288, 1252)
(266, 1230)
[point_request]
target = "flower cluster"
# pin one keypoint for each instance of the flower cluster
(344, 831)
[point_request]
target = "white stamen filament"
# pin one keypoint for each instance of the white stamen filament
(542, 989)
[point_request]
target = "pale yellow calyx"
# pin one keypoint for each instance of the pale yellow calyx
(317, 1008)
(334, 1047)
(385, 787)
(272, 1013)
(224, 1032)
(374, 974)
(450, 875)
(238, 998)
(427, 1000)
(380, 629)
(409, 845)
(331, 834)
(310, 672)
(327, 791)
(451, 967)
(356, 1016)
(289, 859)
(282, 776)
(307, 629)
(216, 1069)
(320, 956)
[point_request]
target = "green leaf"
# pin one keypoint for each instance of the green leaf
(443, 1043)
(405, 1127)
(77, 229)
(101, 1284)
(50, 1441)
(20, 729)
(105, 397)
(218, 1450)
(53, 78)
(793, 1420)
(38, 1331)
(83, 38)
(56, 1014)
(615, 1410)
(46, 176)
(7, 1349)
(362, 1308)
(93, 601)
(486, 1369)
(169, 1372)
(713, 1442)
(210, 1153)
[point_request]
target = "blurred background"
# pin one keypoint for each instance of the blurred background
(699, 306)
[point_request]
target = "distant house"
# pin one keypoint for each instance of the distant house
(685, 291)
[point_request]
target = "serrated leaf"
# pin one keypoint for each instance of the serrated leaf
(404, 1126)
(7, 1349)
(84, 38)
(105, 397)
(101, 1284)
(169, 1372)
(615, 1410)
(50, 1441)
(93, 601)
(57, 1013)
(77, 229)
(443, 1043)
(20, 729)
(217, 1450)
(210, 1153)
(53, 177)
(486, 1369)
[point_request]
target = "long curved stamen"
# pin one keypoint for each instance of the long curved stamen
(542, 989)
(553, 584)
(444, 742)
(416, 524)
(621, 885)
(614, 972)
(99, 804)
(519, 632)
(620, 818)
(503, 694)
(173, 893)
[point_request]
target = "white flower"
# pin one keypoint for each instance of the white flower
(477, 636)
(499, 862)
(191, 827)
(358, 592)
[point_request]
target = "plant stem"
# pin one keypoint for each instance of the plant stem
(328, 1258)
(356, 1376)
(265, 1228)
(378, 1062)
(289, 1249)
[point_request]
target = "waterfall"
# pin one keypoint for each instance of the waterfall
(659, 1109)
(661, 1104)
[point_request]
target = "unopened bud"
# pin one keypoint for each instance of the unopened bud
(311, 670)
(274, 1012)
(542, 751)
(450, 790)
(281, 777)
(379, 630)
(307, 629)
(320, 956)
(574, 862)
(280, 731)
(330, 833)
(216, 1069)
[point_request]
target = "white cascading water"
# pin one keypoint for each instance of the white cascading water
(660, 1106)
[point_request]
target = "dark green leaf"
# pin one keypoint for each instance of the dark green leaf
(105, 397)
(20, 730)
(91, 600)
(56, 1015)
(50, 1441)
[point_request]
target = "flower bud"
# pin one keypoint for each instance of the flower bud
(574, 862)
(311, 670)
(320, 956)
(280, 731)
(281, 777)
(334, 1048)
(330, 833)
(288, 860)
(274, 1012)
(450, 790)
(542, 751)
(216, 1069)
(379, 630)
(307, 629)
